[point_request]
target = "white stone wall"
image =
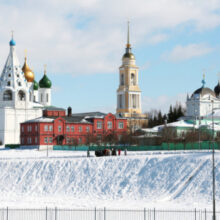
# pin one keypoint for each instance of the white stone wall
(12, 119)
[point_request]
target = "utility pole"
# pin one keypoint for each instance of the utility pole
(199, 132)
(213, 166)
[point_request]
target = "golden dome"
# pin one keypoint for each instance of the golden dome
(28, 73)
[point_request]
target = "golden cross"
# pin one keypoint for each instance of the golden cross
(204, 71)
(25, 53)
(45, 69)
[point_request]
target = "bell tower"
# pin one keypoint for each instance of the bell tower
(128, 93)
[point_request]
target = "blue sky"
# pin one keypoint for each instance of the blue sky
(82, 43)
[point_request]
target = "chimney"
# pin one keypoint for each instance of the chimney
(69, 111)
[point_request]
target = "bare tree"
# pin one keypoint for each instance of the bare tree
(168, 135)
(110, 138)
(90, 139)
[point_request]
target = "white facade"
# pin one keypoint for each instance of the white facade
(18, 99)
(201, 103)
(44, 96)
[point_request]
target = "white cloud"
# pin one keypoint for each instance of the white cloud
(162, 102)
(180, 53)
(155, 39)
(86, 37)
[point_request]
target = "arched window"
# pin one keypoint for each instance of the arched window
(8, 83)
(122, 80)
(21, 96)
(7, 95)
(133, 81)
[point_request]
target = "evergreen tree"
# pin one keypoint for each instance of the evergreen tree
(170, 114)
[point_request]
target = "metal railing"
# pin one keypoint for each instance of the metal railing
(104, 214)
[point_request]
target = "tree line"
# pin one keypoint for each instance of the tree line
(156, 117)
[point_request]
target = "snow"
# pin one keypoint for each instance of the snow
(69, 179)
(41, 119)
(181, 123)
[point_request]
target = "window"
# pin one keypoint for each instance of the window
(45, 127)
(134, 101)
(29, 128)
(133, 83)
(72, 129)
(47, 96)
(120, 101)
(29, 140)
(21, 96)
(120, 125)
(45, 140)
(80, 140)
(68, 140)
(87, 129)
(36, 127)
(9, 83)
(36, 140)
(99, 125)
(59, 128)
(51, 128)
(19, 83)
(30, 96)
(80, 128)
(7, 96)
(22, 140)
(50, 140)
(41, 98)
(9, 75)
(109, 125)
(22, 128)
(68, 128)
(122, 80)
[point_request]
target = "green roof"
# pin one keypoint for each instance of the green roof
(35, 86)
(45, 82)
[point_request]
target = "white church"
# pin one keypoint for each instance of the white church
(203, 101)
(21, 97)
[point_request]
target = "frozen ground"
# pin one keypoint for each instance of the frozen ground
(169, 180)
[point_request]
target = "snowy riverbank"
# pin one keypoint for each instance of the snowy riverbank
(142, 179)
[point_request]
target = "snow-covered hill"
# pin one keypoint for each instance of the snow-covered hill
(70, 179)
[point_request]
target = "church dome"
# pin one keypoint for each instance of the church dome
(217, 89)
(45, 82)
(129, 55)
(204, 91)
(35, 86)
(12, 42)
(28, 73)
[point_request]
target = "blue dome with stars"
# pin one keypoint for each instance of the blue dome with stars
(12, 42)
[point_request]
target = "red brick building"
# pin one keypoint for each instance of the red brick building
(58, 128)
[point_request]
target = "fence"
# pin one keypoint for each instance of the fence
(205, 145)
(104, 214)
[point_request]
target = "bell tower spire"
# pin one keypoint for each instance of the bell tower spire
(128, 45)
